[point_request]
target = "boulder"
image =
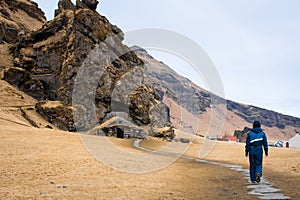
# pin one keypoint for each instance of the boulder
(57, 113)
(17, 18)
(166, 133)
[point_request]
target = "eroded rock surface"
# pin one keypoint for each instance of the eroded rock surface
(79, 60)
(18, 18)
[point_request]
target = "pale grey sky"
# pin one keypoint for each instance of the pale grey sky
(255, 44)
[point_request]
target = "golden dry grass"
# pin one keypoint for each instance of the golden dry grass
(31, 158)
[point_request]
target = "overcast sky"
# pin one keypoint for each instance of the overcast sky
(254, 44)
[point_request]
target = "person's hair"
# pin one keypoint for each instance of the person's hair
(256, 124)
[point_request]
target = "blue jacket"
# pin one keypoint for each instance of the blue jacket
(255, 140)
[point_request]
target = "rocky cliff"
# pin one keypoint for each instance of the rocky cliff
(80, 52)
(17, 19)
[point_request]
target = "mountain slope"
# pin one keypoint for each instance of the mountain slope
(190, 105)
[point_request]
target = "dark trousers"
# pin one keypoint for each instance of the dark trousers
(255, 160)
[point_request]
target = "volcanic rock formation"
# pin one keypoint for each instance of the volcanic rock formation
(18, 18)
(78, 59)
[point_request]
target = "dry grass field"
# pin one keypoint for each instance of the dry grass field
(32, 159)
(40, 163)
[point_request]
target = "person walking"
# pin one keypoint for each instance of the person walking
(256, 139)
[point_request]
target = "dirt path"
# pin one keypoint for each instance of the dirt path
(264, 190)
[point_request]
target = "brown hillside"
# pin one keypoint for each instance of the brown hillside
(18, 108)
(190, 106)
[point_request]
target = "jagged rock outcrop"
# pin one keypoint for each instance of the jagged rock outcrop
(64, 5)
(17, 18)
(23, 80)
(80, 50)
(92, 4)
(58, 114)
(148, 112)
(54, 53)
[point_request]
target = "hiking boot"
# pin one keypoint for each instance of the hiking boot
(258, 177)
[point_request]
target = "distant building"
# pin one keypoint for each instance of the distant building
(241, 135)
(294, 142)
(231, 139)
(279, 143)
(120, 128)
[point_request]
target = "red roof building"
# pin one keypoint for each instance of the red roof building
(231, 138)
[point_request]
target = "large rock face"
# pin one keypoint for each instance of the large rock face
(18, 17)
(23, 80)
(80, 53)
